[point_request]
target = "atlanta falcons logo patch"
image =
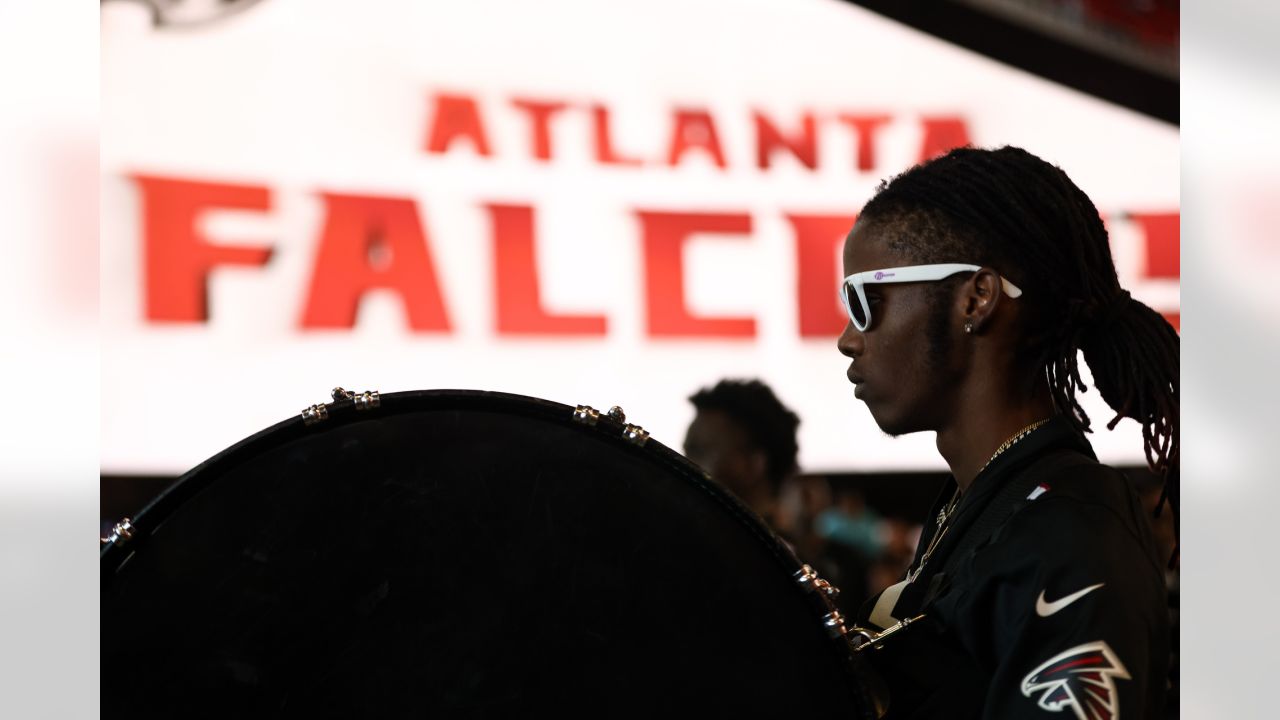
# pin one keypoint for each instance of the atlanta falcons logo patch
(1079, 679)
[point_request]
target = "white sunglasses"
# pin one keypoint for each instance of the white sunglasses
(860, 312)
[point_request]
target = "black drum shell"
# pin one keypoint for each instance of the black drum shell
(459, 554)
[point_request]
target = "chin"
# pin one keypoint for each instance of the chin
(893, 431)
(888, 427)
(895, 427)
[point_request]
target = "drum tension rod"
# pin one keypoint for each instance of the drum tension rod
(121, 533)
(586, 415)
(633, 434)
(808, 579)
(833, 621)
(366, 400)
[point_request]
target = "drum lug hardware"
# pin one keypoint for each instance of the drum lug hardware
(616, 413)
(586, 414)
(121, 533)
(314, 414)
(367, 400)
(834, 623)
(635, 435)
(807, 577)
(831, 591)
(810, 581)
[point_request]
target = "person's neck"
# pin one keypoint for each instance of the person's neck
(990, 416)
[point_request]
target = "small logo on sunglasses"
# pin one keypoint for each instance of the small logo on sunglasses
(883, 275)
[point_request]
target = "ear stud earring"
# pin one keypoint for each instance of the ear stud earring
(968, 328)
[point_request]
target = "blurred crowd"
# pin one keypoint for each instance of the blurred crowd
(849, 543)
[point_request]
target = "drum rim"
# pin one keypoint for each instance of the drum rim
(344, 412)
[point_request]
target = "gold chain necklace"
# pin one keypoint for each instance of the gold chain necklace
(944, 524)
(1013, 440)
(944, 515)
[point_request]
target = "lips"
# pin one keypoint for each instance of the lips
(854, 377)
(857, 381)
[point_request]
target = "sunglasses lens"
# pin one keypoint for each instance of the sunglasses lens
(853, 305)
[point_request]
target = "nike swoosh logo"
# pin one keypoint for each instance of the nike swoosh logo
(1045, 609)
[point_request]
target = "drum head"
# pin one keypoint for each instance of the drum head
(458, 554)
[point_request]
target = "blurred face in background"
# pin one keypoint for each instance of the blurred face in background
(722, 447)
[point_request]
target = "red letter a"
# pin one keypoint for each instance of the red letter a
(368, 243)
(177, 260)
(515, 274)
(694, 129)
(456, 116)
(941, 135)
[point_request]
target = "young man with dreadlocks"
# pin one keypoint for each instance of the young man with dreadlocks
(973, 282)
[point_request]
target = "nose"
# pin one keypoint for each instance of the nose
(850, 342)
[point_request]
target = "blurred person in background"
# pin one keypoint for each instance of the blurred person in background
(803, 499)
(973, 282)
(898, 540)
(885, 545)
(745, 438)
(850, 522)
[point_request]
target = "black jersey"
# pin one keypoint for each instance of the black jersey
(1044, 599)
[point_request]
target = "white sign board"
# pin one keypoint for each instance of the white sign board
(581, 201)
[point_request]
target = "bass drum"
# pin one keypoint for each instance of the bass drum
(460, 554)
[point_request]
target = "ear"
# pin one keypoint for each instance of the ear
(979, 298)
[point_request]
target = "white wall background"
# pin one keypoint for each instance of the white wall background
(304, 97)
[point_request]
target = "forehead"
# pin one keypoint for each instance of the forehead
(867, 247)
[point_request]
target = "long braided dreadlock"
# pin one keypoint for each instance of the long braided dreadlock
(1010, 210)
